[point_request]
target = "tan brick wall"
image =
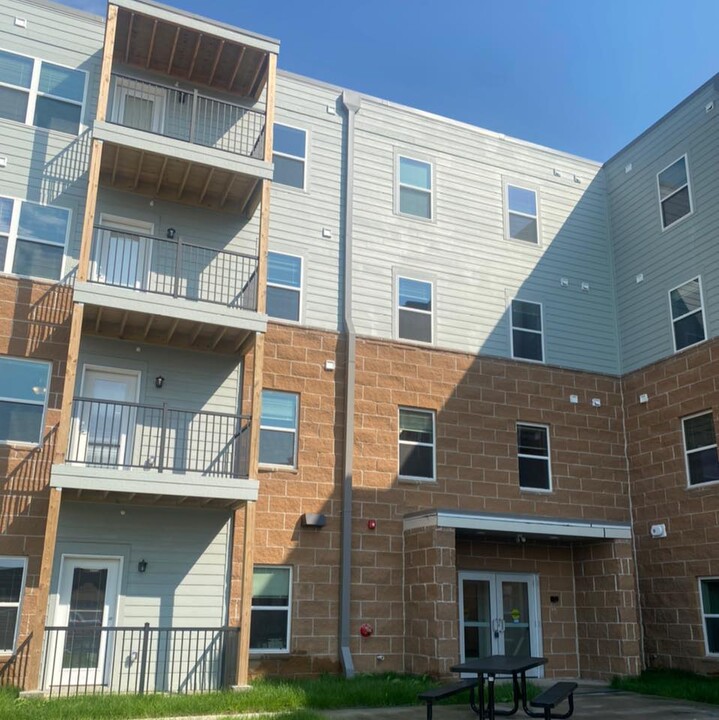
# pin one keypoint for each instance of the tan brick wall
(669, 567)
(607, 618)
(34, 323)
(478, 402)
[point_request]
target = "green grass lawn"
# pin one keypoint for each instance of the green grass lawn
(299, 700)
(673, 684)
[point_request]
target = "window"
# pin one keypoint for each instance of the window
(278, 428)
(32, 238)
(527, 330)
(271, 602)
(40, 93)
(674, 196)
(284, 286)
(522, 221)
(710, 611)
(687, 315)
(24, 388)
(289, 155)
(415, 188)
(415, 309)
(533, 456)
(416, 444)
(700, 448)
(12, 582)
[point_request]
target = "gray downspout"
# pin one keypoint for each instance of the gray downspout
(351, 101)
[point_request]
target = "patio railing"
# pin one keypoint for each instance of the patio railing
(90, 659)
(113, 434)
(187, 115)
(173, 267)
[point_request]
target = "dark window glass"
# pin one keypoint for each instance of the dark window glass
(277, 448)
(703, 463)
(526, 315)
(20, 422)
(415, 326)
(63, 82)
(533, 473)
(57, 115)
(676, 207)
(268, 629)
(278, 428)
(699, 431)
(416, 461)
(289, 141)
(283, 303)
(416, 443)
(8, 623)
(710, 596)
(10, 582)
(522, 228)
(289, 171)
(689, 330)
(673, 178)
(13, 104)
(527, 345)
(703, 466)
(533, 441)
(37, 260)
(415, 202)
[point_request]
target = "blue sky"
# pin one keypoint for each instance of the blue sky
(584, 76)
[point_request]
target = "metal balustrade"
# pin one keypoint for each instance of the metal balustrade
(173, 267)
(83, 659)
(122, 435)
(187, 115)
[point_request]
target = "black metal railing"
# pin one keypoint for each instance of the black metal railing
(90, 659)
(114, 434)
(173, 267)
(187, 115)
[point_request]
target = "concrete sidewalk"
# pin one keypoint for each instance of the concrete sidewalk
(590, 703)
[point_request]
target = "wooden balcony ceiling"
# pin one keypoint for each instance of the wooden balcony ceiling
(188, 54)
(151, 328)
(124, 498)
(177, 180)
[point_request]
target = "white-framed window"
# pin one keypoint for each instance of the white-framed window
(13, 572)
(526, 336)
(417, 444)
(414, 187)
(33, 238)
(284, 286)
(685, 304)
(40, 93)
(533, 457)
(271, 603)
(709, 593)
(521, 221)
(289, 155)
(700, 449)
(414, 309)
(278, 428)
(675, 199)
(24, 389)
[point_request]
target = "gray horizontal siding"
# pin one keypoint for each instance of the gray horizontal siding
(193, 380)
(298, 217)
(186, 550)
(670, 257)
(476, 270)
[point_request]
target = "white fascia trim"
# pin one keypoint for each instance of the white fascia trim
(519, 525)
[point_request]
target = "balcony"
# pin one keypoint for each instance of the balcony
(137, 449)
(153, 289)
(178, 144)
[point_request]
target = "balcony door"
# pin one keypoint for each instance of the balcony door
(499, 615)
(121, 252)
(139, 105)
(106, 416)
(87, 601)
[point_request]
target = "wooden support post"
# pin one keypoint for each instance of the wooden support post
(43, 592)
(243, 645)
(68, 389)
(257, 369)
(107, 53)
(88, 223)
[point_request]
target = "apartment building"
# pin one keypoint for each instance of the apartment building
(295, 380)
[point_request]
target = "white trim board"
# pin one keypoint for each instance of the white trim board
(518, 524)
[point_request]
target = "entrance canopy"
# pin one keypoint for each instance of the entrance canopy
(529, 526)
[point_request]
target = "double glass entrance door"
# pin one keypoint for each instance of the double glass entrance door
(499, 615)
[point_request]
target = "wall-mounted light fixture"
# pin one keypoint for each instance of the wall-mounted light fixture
(171, 232)
(142, 566)
(159, 381)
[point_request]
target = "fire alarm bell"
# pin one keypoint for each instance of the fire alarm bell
(371, 524)
(366, 630)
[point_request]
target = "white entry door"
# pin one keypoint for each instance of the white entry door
(87, 601)
(139, 105)
(499, 615)
(121, 252)
(104, 431)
